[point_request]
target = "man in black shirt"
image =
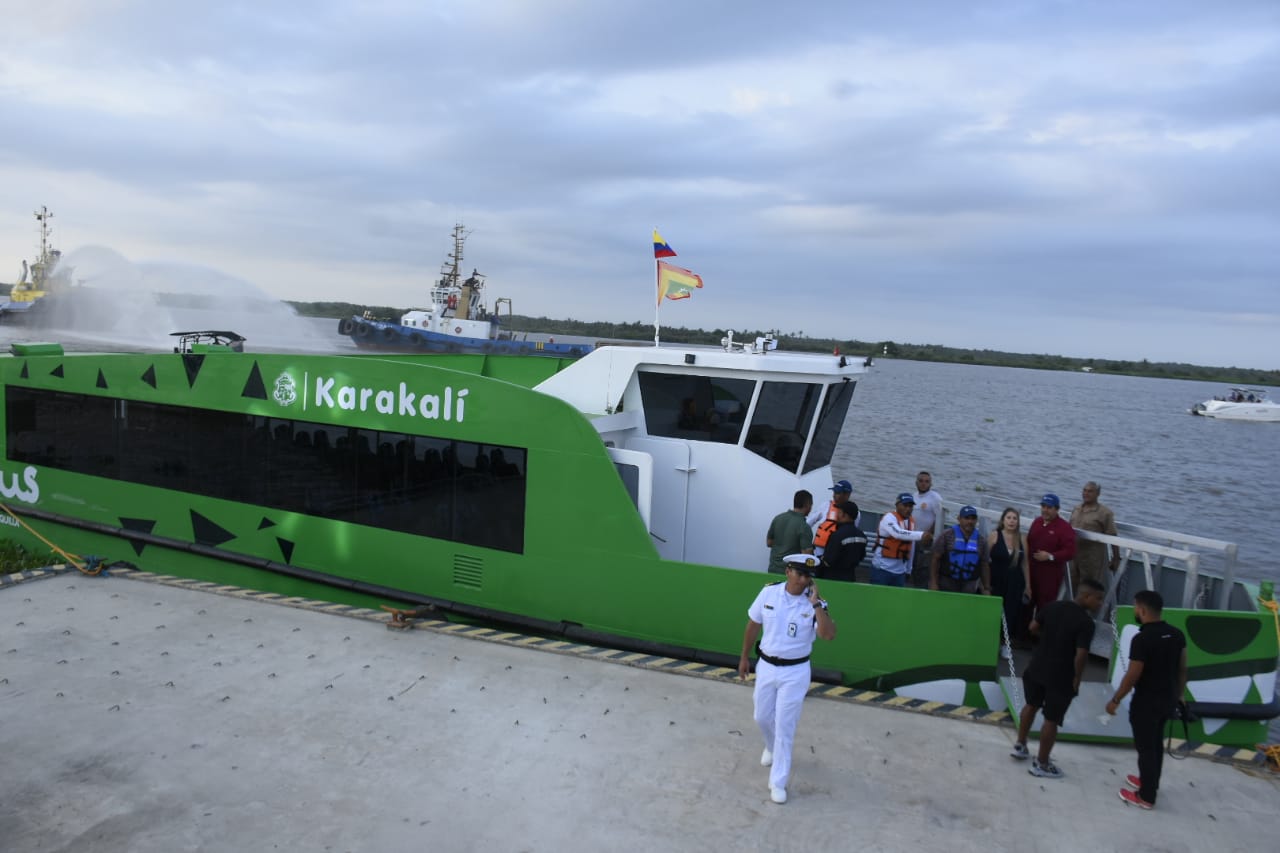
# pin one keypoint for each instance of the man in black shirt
(1052, 679)
(1157, 675)
(846, 546)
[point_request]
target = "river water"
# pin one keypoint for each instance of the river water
(1016, 433)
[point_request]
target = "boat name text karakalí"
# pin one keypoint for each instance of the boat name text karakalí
(10, 489)
(447, 406)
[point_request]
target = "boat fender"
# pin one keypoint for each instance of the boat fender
(389, 335)
(362, 330)
(345, 326)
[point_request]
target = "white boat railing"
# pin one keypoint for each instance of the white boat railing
(1136, 542)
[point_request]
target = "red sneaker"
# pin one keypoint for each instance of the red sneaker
(1133, 782)
(1132, 798)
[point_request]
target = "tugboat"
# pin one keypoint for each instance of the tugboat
(43, 277)
(456, 320)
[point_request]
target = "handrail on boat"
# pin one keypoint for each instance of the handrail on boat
(1134, 547)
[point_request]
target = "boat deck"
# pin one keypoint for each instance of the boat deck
(142, 716)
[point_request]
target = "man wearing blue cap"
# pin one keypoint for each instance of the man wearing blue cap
(1050, 544)
(960, 561)
(824, 523)
(891, 562)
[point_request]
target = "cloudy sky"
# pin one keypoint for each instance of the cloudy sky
(1088, 179)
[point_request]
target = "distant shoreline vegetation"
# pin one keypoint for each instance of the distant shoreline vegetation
(800, 341)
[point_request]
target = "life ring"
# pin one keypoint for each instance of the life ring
(345, 325)
(457, 330)
(362, 329)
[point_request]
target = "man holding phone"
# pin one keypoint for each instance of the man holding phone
(782, 623)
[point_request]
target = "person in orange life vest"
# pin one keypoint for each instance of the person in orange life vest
(891, 563)
(823, 519)
(960, 561)
(1050, 543)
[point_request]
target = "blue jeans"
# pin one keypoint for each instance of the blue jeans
(883, 578)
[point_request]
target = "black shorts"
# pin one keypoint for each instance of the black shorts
(1053, 698)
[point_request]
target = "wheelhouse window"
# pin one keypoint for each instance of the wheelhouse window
(780, 425)
(834, 408)
(701, 408)
(423, 485)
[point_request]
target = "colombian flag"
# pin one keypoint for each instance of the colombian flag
(660, 247)
(676, 282)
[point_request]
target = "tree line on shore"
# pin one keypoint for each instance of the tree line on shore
(638, 331)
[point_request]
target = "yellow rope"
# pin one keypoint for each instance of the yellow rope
(70, 558)
(1270, 604)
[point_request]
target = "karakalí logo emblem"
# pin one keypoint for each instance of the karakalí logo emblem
(286, 392)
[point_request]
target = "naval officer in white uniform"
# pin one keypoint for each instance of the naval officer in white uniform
(785, 618)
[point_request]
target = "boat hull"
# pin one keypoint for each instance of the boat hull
(1228, 411)
(381, 336)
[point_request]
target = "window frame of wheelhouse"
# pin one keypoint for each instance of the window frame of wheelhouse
(780, 427)
(443, 488)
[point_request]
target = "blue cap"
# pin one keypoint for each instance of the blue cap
(907, 498)
(843, 486)
(1050, 500)
(966, 511)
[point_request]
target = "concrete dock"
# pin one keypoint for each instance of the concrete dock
(140, 716)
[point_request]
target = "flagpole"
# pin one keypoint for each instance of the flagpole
(657, 288)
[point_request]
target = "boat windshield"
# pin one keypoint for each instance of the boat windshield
(780, 425)
(834, 408)
(701, 408)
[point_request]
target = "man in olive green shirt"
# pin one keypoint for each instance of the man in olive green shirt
(790, 533)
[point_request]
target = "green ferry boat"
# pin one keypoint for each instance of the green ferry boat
(618, 498)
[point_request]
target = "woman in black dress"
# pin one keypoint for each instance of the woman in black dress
(1010, 574)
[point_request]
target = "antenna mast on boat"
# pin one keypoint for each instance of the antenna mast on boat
(43, 216)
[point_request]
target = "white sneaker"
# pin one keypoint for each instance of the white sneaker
(766, 758)
(778, 795)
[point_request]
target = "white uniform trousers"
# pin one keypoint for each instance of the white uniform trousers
(779, 695)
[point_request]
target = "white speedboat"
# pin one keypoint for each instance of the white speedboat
(1240, 404)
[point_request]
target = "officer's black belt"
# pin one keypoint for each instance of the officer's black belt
(779, 661)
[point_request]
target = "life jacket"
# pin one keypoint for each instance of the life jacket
(897, 549)
(826, 527)
(962, 559)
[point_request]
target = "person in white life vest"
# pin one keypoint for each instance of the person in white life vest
(782, 624)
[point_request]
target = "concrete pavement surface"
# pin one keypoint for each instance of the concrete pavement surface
(141, 717)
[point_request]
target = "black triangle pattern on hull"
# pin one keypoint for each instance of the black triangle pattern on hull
(139, 525)
(265, 523)
(254, 387)
(102, 379)
(25, 374)
(58, 372)
(206, 532)
(286, 549)
(192, 362)
(149, 376)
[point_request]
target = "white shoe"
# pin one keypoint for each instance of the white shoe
(766, 758)
(778, 795)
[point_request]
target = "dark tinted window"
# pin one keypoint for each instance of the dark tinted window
(446, 489)
(781, 422)
(701, 408)
(834, 409)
